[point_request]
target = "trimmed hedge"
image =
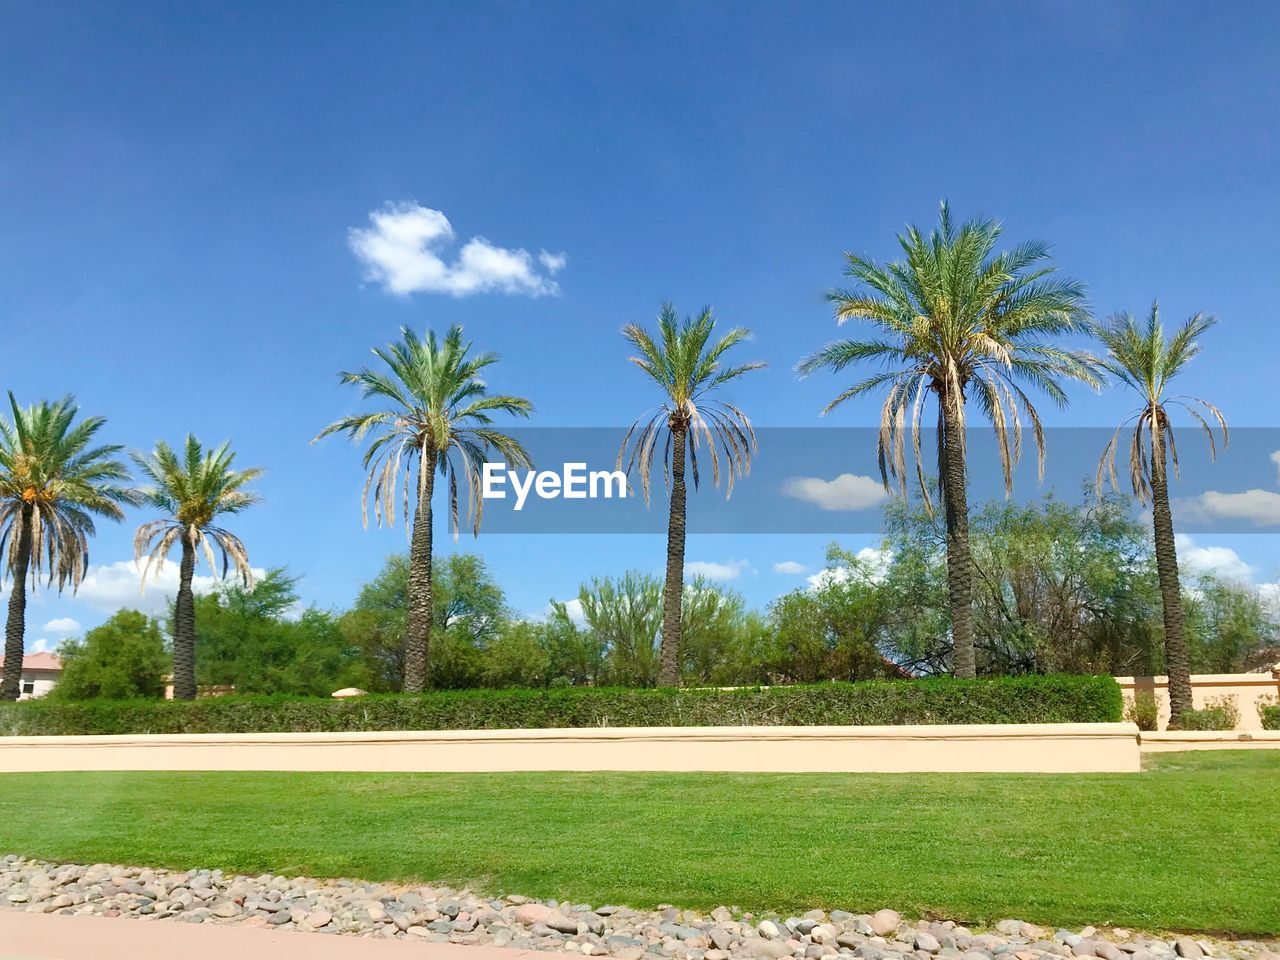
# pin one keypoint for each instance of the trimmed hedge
(1269, 713)
(1031, 699)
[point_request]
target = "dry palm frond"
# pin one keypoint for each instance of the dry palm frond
(56, 481)
(193, 489)
(956, 321)
(685, 362)
(438, 414)
(1138, 354)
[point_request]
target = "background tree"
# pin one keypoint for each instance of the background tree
(833, 630)
(957, 322)
(685, 362)
(122, 659)
(193, 490)
(438, 416)
(260, 639)
(1139, 355)
(469, 614)
(53, 482)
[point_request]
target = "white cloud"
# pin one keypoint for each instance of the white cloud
(790, 566)
(63, 625)
(846, 492)
(401, 251)
(873, 560)
(43, 645)
(110, 586)
(712, 570)
(1260, 507)
(1275, 458)
(1221, 562)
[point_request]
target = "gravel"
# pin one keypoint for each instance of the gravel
(443, 915)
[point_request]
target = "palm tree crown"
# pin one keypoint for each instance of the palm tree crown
(192, 490)
(436, 405)
(685, 362)
(953, 320)
(1139, 355)
(55, 478)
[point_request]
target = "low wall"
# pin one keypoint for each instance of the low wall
(1247, 688)
(1169, 740)
(996, 748)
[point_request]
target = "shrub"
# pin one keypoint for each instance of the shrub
(1030, 699)
(1269, 713)
(1218, 713)
(1143, 710)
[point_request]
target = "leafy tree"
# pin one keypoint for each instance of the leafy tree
(716, 635)
(832, 631)
(1058, 588)
(1140, 356)
(437, 415)
(53, 482)
(575, 654)
(685, 362)
(121, 659)
(193, 490)
(955, 321)
(259, 641)
(1226, 623)
(469, 612)
(625, 616)
(517, 657)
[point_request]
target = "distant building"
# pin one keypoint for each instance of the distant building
(40, 673)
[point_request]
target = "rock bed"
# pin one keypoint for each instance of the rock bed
(441, 915)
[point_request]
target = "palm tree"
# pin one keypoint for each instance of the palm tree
(1140, 356)
(192, 490)
(684, 361)
(437, 413)
(53, 482)
(955, 322)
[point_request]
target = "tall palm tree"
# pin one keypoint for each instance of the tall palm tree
(685, 362)
(437, 413)
(1139, 355)
(955, 321)
(193, 490)
(53, 482)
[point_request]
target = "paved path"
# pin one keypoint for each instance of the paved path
(32, 936)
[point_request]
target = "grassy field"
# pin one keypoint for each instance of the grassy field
(1191, 843)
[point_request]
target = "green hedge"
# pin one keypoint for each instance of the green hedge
(1270, 716)
(1033, 699)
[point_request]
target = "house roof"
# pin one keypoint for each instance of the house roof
(39, 661)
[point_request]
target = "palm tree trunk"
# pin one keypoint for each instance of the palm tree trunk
(673, 588)
(15, 630)
(955, 501)
(1175, 644)
(184, 626)
(417, 633)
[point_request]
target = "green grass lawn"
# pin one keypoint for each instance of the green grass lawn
(1192, 843)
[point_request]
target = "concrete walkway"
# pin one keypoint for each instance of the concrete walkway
(32, 936)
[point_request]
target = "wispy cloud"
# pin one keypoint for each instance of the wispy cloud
(846, 492)
(711, 570)
(402, 248)
(110, 587)
(790, 566)
(62, 625)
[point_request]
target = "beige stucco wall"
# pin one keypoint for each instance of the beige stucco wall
(1247, 688)
(1031, 748)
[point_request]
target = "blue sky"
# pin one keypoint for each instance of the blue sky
(178, 187)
